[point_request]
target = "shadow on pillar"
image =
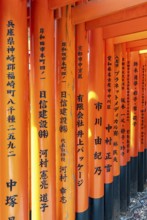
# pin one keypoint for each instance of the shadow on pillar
(123, 190)
(134, 176)
(82, 215)
(145, 165)
(128, 182)
(116, 198)
(108, 202)
(96, 209)
(141, 171)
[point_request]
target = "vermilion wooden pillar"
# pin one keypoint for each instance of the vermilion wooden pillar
(117, 128)
(123, 132)
(109, 120)
(145, 153)
(128, 126)
(42, 78)
(82, 203)
(141, 120)
(96, 124)
(134, 93)
(65, 117)
(14, 111)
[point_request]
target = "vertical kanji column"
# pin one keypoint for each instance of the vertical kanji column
(81, 128)
(109, 120)
(14, 110)
(123, 132)
(96, 124)
(116, 128)
(134, 82)
(141, 123)
(145, 92)
(128, 127)
(42, 111)
(65, 117)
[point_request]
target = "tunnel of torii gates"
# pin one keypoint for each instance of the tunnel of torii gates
(73, 113)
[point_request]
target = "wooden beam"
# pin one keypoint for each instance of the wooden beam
(54, 4)
(130, 37)
(124, 28)
(137, 43)
(99, 8)
(120, 16)
(138, 48)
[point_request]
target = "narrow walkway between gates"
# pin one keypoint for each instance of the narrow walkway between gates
(138, 207)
